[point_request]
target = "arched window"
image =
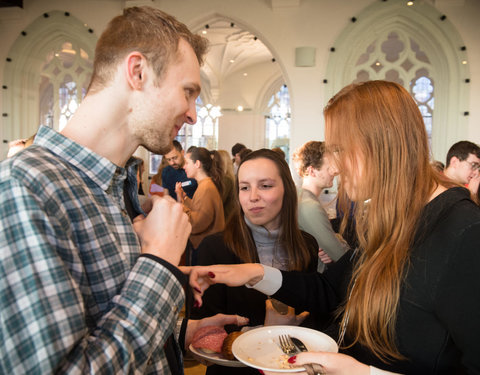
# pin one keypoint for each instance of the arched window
(419, 49)
(50, 62)
(64, 81)
(277, 122)
(397, 57)
(205, 132)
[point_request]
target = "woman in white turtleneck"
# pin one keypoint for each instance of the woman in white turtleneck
(263, 229)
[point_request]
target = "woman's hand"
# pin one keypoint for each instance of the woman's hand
(201, 277)
(332, 363)
(216, 320)
(275, 318)
(180, 193)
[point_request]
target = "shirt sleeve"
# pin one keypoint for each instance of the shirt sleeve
(313, 219)
(271, 282)
(46, 292)
(200, 210)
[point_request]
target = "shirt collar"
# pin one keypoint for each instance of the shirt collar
(99, 169)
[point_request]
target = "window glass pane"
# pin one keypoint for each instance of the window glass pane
(277, 122)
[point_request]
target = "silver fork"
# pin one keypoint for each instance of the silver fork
(287, 345)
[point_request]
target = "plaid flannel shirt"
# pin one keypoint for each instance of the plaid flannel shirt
(75, 295)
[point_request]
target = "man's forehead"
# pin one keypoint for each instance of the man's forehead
(473, 157)
(171, 153)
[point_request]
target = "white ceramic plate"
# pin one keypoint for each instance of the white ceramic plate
(259, 348)
(215, 358)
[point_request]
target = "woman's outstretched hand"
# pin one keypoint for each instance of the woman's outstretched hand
(201, 277)
(332, 363)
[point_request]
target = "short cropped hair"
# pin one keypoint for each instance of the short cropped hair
(177, 145)
(153, 33)
(461, 150)
(309, 154)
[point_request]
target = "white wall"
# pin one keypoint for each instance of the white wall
(314, 23)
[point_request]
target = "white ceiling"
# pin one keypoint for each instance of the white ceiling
(233, 53)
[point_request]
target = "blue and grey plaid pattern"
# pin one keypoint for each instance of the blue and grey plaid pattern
(75, 296)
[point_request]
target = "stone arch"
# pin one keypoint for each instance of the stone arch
(23, 72)
(437, 37)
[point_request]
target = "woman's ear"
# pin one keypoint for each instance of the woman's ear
(198, 164)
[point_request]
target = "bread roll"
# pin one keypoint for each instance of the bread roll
(227, 345)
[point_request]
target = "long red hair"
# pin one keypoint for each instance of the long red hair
(377, 128)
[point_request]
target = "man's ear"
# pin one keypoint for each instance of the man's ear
(135, 70)
(310, 171)
(454, 161)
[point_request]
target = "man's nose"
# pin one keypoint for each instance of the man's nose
(191, 115)
(333, 170)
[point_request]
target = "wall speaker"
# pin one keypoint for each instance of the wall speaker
(305, 56)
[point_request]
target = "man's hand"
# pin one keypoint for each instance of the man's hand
(165, 230)
(324, 257)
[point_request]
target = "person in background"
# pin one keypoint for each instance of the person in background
(175, 172)
(279, 151)
(156, 187)
(243, 154)
(438, 165)
(237, 147)
(140, 172)
(263, 229)
(314, 166)
(205, 209)
(463, 160)
(412, 301)
(222, 158)
(19, 145)
(83, 289)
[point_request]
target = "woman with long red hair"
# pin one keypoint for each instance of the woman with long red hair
(411, 303)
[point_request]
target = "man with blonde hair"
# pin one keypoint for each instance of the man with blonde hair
(83, 290)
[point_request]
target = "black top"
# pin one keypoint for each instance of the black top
(438, 325)
(240, 300)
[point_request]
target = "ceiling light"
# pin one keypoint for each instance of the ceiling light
(377, 63)
(240, 108)
(232, 61)
(409, 3)
(245, 74)
(464, 62)
(204, 32)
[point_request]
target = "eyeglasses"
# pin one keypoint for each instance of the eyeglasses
(473, 165)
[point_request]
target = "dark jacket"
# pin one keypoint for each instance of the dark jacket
(438, 324)
(240, 300)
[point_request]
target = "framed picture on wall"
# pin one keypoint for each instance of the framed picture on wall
(155, 161)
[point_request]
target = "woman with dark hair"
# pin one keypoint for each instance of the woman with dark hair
(411, 305)
(263, 229)
(205, 209)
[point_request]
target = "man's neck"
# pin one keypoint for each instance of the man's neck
(311, 186)
(100, 124)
